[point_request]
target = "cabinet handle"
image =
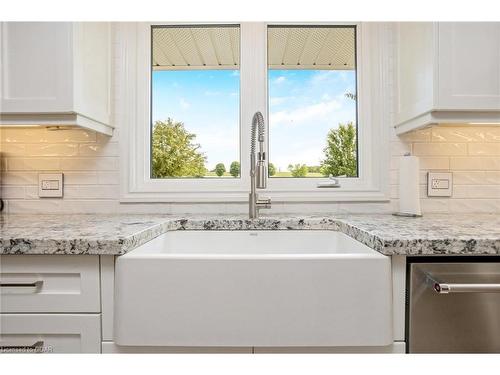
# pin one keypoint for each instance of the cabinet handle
(37, 346)
(444, 288)
(35, 284)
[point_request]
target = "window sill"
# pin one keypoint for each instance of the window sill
(337, 195)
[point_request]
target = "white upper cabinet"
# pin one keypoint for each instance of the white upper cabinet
(446, 72)
(55, 73)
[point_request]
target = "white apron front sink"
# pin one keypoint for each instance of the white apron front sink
(253, 288)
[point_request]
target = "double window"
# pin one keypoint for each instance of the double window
(195, 103)
(198, 87)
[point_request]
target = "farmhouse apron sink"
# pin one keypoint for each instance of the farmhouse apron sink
(253, 288)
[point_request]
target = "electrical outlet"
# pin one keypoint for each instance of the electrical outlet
(439, 184)
(50, 185)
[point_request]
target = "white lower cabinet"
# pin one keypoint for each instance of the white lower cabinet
(49, 283)
(110, 347)
(50, 333)
(65, 304)
(395, 348)
(50, 304)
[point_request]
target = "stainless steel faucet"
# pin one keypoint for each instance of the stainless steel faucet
(258, 169)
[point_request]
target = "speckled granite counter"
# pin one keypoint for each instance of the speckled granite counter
(117, 234)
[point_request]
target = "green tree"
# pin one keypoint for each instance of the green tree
(350, 95)
(313, 169)
(220, 169)
(340, 152)
(234, 169)
(298, 170)
(271, 169)
(174, 152)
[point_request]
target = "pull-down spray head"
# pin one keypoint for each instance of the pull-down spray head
(259, 168)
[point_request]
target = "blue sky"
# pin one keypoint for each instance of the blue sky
(303, 106)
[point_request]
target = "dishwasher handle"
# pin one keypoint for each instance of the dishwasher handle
(446, 288)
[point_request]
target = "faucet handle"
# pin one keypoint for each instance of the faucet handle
(263, 203)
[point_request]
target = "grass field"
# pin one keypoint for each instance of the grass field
(278, 174)
(289, 174)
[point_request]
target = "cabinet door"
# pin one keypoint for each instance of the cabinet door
(414, 68)
(49, 283)
(50, 333)
(469, 66)
(36, 67)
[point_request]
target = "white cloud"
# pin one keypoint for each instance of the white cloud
(322, 76)
(279, 80)
(184, 103)
(307, 113)
(211, 93)
(277, 100)
(299, 155)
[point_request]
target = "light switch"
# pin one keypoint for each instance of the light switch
(50, 185)
(439, 184)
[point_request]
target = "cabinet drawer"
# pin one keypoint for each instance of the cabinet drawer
(49, 283)
(50, 333)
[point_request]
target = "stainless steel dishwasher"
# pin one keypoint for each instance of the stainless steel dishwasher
(453, 305)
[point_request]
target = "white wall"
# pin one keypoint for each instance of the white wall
(90, 163)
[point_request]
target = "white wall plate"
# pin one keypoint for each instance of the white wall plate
(439, 184)
(50, 185)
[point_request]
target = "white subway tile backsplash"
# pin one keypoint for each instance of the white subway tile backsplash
(11, 149)
(35, 206)
(469, 177)
(487, 149)
(471, 153)
(439, 149)
(466, 134)
(51, 149)
(90, 164)
(475, 163)
(108, 178)
(434, 205)
(33, 164)
(80, 178)
(474, 205)
(492, 177)
(400, 148)
(477, 191)
(423, 135)
(31, 192)
(96, 149)
(23, 135)
(72, 135)
(19, 178)
(12, 192)
(85, 206)
(435, 163)
(91, 192)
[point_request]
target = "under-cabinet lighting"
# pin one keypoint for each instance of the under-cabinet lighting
(484, 123)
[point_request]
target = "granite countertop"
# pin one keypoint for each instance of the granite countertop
(433, 234)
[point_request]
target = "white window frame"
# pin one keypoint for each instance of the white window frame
(133, 106)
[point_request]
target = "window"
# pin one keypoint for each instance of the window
(195, 95)
(190, 92)
(312, 101)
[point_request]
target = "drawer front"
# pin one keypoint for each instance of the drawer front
(49, 283)
(50, 333)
